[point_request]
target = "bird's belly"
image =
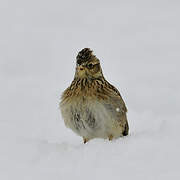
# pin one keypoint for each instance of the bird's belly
(90, 120)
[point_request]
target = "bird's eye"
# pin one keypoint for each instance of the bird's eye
(90, 66)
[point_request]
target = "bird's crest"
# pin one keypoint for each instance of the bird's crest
(84, 55)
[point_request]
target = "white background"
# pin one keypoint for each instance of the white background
(138, 44)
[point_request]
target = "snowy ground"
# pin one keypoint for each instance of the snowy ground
(138, 44)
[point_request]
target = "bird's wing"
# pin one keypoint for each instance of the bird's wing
(116, 100)
(116, 107)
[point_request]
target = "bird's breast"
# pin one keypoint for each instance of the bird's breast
(87, 118)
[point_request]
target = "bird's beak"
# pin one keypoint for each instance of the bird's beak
(80, 68)
(81, 71)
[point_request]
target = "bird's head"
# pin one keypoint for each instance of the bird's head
(87, 65)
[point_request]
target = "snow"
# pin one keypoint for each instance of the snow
(137, 43)
(117, 109)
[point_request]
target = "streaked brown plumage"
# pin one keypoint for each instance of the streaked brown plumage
(91, 106)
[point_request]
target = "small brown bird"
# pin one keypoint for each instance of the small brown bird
(91, 106)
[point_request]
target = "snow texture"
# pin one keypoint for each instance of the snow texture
(138, 45)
